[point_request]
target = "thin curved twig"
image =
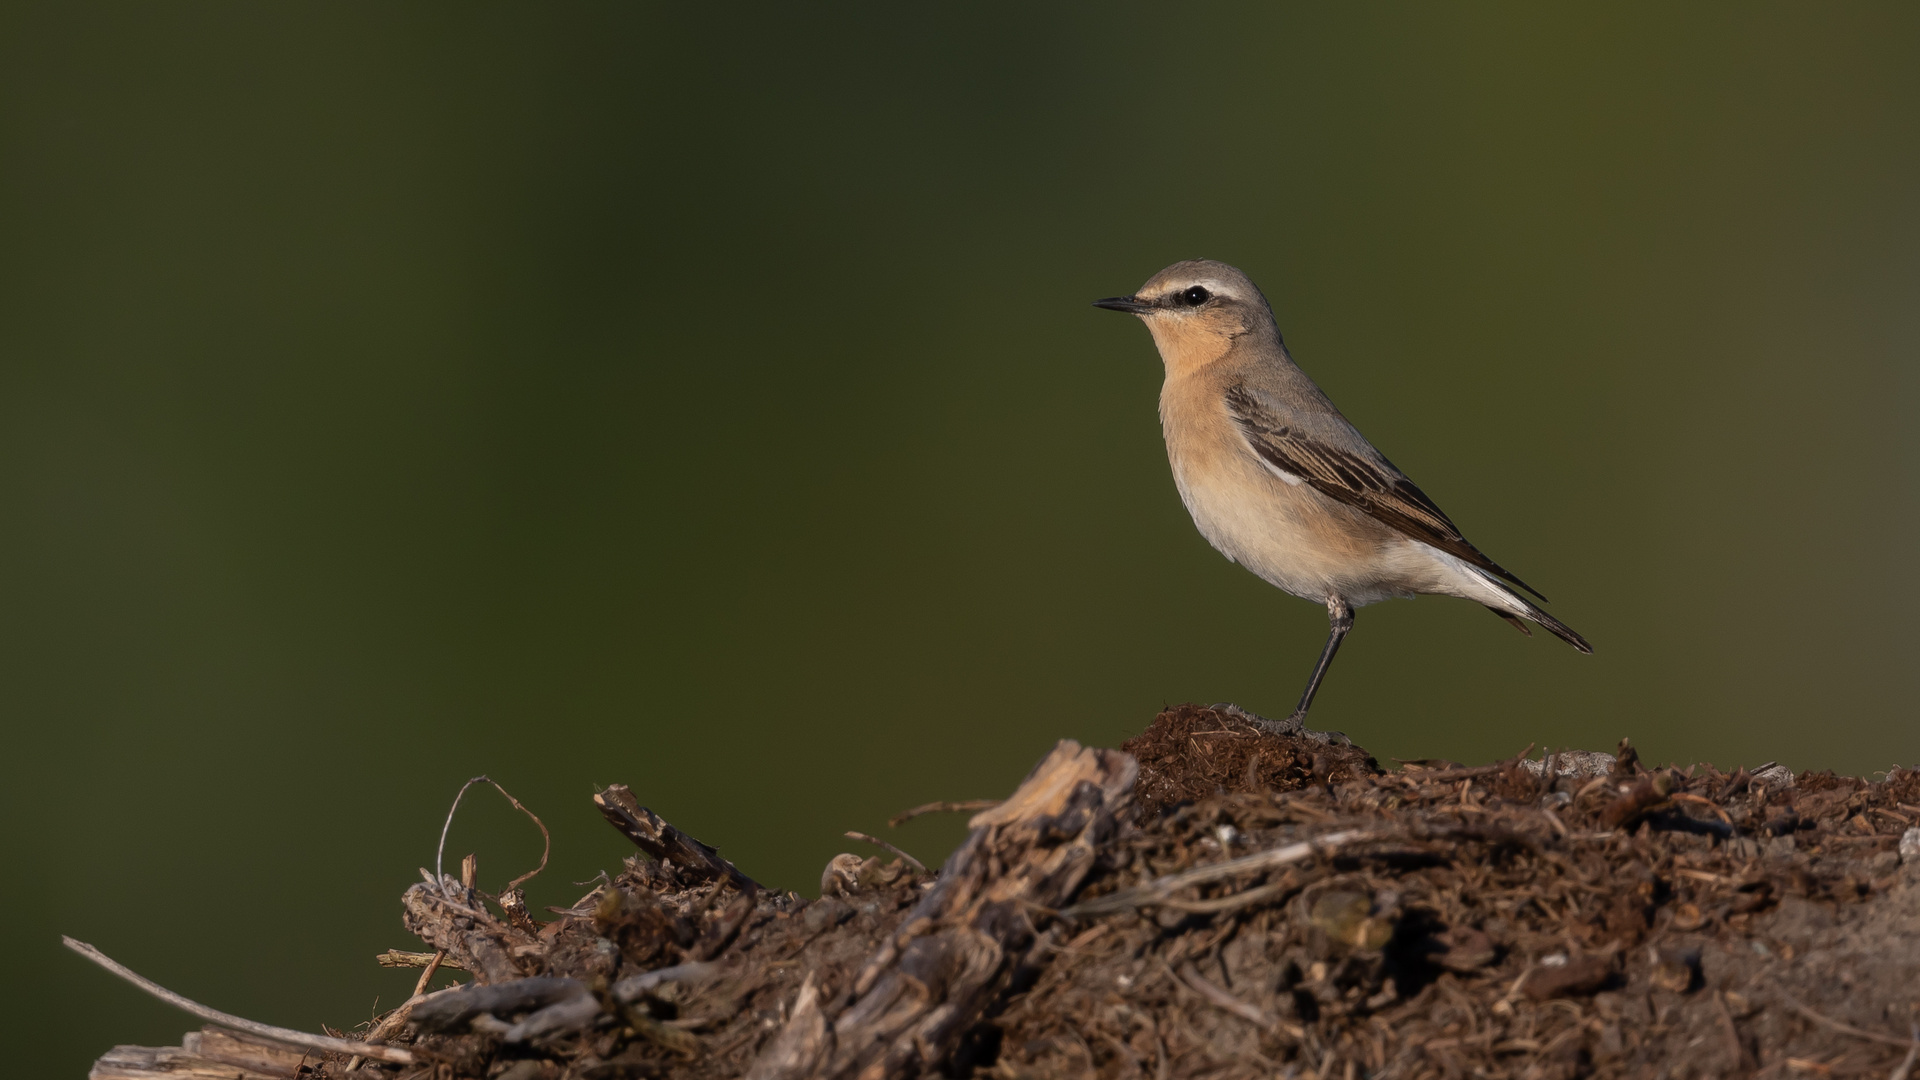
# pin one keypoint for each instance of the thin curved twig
(324, 1043)
(440, 853)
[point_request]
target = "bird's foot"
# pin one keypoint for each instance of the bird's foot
(1290, 726)
(1294, 726)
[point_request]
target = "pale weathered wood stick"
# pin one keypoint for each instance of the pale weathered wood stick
(324, 1043)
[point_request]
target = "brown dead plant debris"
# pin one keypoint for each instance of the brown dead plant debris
(1212, 900)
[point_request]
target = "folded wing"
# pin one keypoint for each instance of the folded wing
(1369, 483)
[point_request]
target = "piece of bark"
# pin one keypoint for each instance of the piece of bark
(664, 842)
(922, 989)
(514, 903)
(1579, 976)
(631, 988)
(802, 1044)
(212, 1053)
(170, 1063)
(1647, 793)
(453, 1012)
(448, 916)
(722, 933)
(401, 958)
(565, 1017)
(233, 1048)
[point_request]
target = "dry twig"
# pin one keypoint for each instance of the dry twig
(877, 842)
(401, 958)
(1905, 1068)
(433, 965)
(964, 806)
(1858, 1033)
(1156, 891)
(324, 1043)
(546, 837)
(1199, 984)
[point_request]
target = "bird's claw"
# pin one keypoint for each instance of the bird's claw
(1294, 726)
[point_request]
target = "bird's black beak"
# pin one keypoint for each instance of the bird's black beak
(1129, 304)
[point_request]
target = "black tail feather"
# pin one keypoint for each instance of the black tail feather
(1554, 626)
(1514, 619)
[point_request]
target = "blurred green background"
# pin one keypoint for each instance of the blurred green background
(709, 400)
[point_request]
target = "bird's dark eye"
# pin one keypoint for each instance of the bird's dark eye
(1196, 296)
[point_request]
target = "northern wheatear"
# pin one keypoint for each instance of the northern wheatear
(1282, 484)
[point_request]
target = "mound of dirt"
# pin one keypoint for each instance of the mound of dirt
(1218, 901)
(1496, 921)
(1191, 752)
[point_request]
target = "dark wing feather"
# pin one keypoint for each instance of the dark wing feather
(1375, 487)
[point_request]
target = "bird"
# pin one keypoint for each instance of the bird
(1278, 481)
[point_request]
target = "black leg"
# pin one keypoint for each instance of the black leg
(1339, 620)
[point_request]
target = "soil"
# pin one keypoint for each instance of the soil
(1524, 919)
(1690, 939)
